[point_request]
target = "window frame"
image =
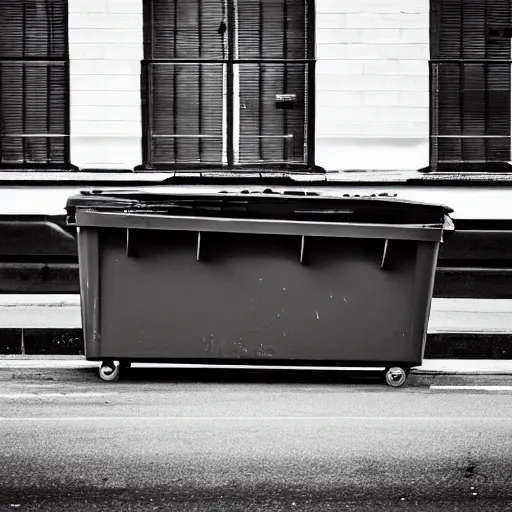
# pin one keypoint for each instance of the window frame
(49, 60)
(435, 64)
(229, 138)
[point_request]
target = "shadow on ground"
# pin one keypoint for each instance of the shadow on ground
(370, 380)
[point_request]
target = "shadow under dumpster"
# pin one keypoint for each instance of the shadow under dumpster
(250, 376)
(145, 376)
(161, 374)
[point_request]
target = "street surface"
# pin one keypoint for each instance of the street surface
(193, 440)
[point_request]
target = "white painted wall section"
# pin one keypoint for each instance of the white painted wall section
(492, 203)
(105, 47)
(372, 84)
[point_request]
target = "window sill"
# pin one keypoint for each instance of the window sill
(330, 178)
(417, 178)
(99, 177)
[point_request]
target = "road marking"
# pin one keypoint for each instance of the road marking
(53, 395)
(106, 419)
(476, 388)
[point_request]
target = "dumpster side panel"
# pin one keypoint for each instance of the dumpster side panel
(89, 269)
(181, 296)
(423, 291)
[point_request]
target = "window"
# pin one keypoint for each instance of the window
(470, 84)
(34, 84)
(228, 83)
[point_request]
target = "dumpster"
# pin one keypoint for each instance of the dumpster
(270, 278)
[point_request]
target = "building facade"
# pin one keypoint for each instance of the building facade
(127, 84)
(411, 97)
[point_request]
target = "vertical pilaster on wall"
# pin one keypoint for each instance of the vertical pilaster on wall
(105, 49)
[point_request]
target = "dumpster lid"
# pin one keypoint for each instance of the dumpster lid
(296, 204)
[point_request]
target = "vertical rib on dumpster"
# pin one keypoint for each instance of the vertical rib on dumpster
(302, 248)
(426, 262)
(199, 246)
(384, 254)
(129, 243)
(88, 250)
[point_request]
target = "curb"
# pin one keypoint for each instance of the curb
(68, 343)
(489, 373)
(432, 367)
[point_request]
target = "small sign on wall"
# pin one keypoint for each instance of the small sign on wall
(286, 101)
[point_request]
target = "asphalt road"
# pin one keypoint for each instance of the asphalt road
(226, 441)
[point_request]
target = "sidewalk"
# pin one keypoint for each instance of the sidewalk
(447, 315)
(469, 336)
(429, 367)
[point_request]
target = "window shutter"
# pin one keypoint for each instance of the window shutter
(34, 84)
(272, 29)
(203, 107)
(186, 117)
(471, 91)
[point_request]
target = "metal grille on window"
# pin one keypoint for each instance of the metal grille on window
(470, 85)
(34, 83)
(213, 79)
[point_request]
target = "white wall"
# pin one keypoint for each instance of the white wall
(493, 203)
(105, 48)
(372, 84)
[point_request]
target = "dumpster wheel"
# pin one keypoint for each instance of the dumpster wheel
(396, 376)
(109, 371)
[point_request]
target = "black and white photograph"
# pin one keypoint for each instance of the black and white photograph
(256, 255)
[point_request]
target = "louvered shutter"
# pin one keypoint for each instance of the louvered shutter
(272, 29)
(222, 112)
(186, 98)
(471, 94)
(34, 87)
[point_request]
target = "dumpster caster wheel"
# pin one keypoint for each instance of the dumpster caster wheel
(109, 371)
(395, 376)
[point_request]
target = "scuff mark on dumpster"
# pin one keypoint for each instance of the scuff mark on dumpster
(209, 346)
(234, 349)
(212, 347)
(267, 325)
(262, 351)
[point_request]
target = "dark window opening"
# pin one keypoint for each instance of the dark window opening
(213, 78)
(34, 84)
(470, 84)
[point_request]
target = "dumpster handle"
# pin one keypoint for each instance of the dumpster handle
(448, 223)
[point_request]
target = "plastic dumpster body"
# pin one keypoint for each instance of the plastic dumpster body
(270, 279)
